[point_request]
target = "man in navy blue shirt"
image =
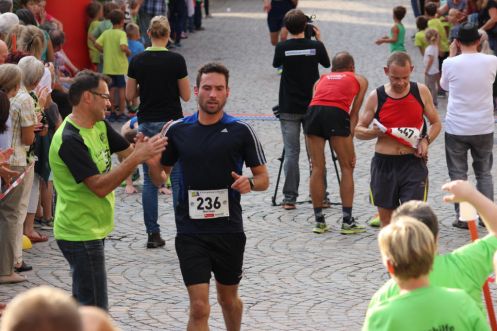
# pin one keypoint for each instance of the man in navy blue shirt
(210, 148)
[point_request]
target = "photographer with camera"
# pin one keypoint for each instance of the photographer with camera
(300, 58)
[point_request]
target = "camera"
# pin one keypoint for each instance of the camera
(309, 32)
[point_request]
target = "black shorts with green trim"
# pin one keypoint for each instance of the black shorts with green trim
(396, 179)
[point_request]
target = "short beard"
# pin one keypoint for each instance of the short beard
(206, 110)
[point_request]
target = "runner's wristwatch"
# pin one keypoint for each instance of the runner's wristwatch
(428, 139)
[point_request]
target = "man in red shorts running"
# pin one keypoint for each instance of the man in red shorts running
(397, 110)
(332, 116)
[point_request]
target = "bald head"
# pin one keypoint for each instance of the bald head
(342, 61)
(4, 51)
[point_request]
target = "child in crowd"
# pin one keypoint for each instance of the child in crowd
(435, 23)
(44, 17)
(443, 46)
(408, 250)
(134, 8)
(397, 33)
(114, 45)
(42, 308)
(430, 61)
(454, 18)
(95, 13)
(104, 25)
(419, 37)
(96, 319)
(135, 46)
(32, 5)
(134, 43)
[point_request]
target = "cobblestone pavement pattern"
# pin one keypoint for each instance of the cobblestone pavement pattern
(293, 279)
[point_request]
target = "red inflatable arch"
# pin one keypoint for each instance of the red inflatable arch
(73, 17)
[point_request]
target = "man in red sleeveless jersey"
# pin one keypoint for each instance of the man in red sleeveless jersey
(397, 110)
(332, 116)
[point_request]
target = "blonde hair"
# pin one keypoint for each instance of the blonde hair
(30, 39)
(431, 35)
(409, 246)
(95, 319)
(10, 77)
(132, 30)
(159, 27)
(42, 308)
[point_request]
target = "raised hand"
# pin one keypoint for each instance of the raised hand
(241, 183)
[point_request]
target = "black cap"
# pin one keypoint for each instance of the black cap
(468, 32)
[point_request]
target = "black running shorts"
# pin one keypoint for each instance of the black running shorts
(325, 121)
(201, 254)
(396, 179)
(276, 14)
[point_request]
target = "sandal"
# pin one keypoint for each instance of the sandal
(38, 238)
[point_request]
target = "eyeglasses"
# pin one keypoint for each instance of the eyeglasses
(102, 95)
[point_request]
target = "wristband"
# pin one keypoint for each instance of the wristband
(428, 139)
(251, 182)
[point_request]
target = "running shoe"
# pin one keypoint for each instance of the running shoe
(352, 227)
(460, 224)
(320, 227)
(375, 221)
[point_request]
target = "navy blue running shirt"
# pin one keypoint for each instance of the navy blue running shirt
(206, 155)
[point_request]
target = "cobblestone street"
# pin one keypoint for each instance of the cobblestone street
(293, 278)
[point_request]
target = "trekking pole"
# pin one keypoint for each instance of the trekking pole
(281, 159)
(468, 214)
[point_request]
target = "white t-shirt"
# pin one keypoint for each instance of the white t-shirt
(46, 81)
(469, 79)
(433, 51)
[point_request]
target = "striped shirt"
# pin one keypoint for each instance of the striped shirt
(206, 155)
(22, 114)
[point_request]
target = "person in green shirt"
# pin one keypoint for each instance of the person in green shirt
(408, 250)
(114, 45)
(467, 267)
(95, 13)
(80, 159)
(419, 38)
(397, 33)
(435, 23)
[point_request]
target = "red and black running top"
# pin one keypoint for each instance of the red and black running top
(336, 89)
(400, 112)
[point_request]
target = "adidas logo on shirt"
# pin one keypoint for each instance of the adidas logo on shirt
(224, 130)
